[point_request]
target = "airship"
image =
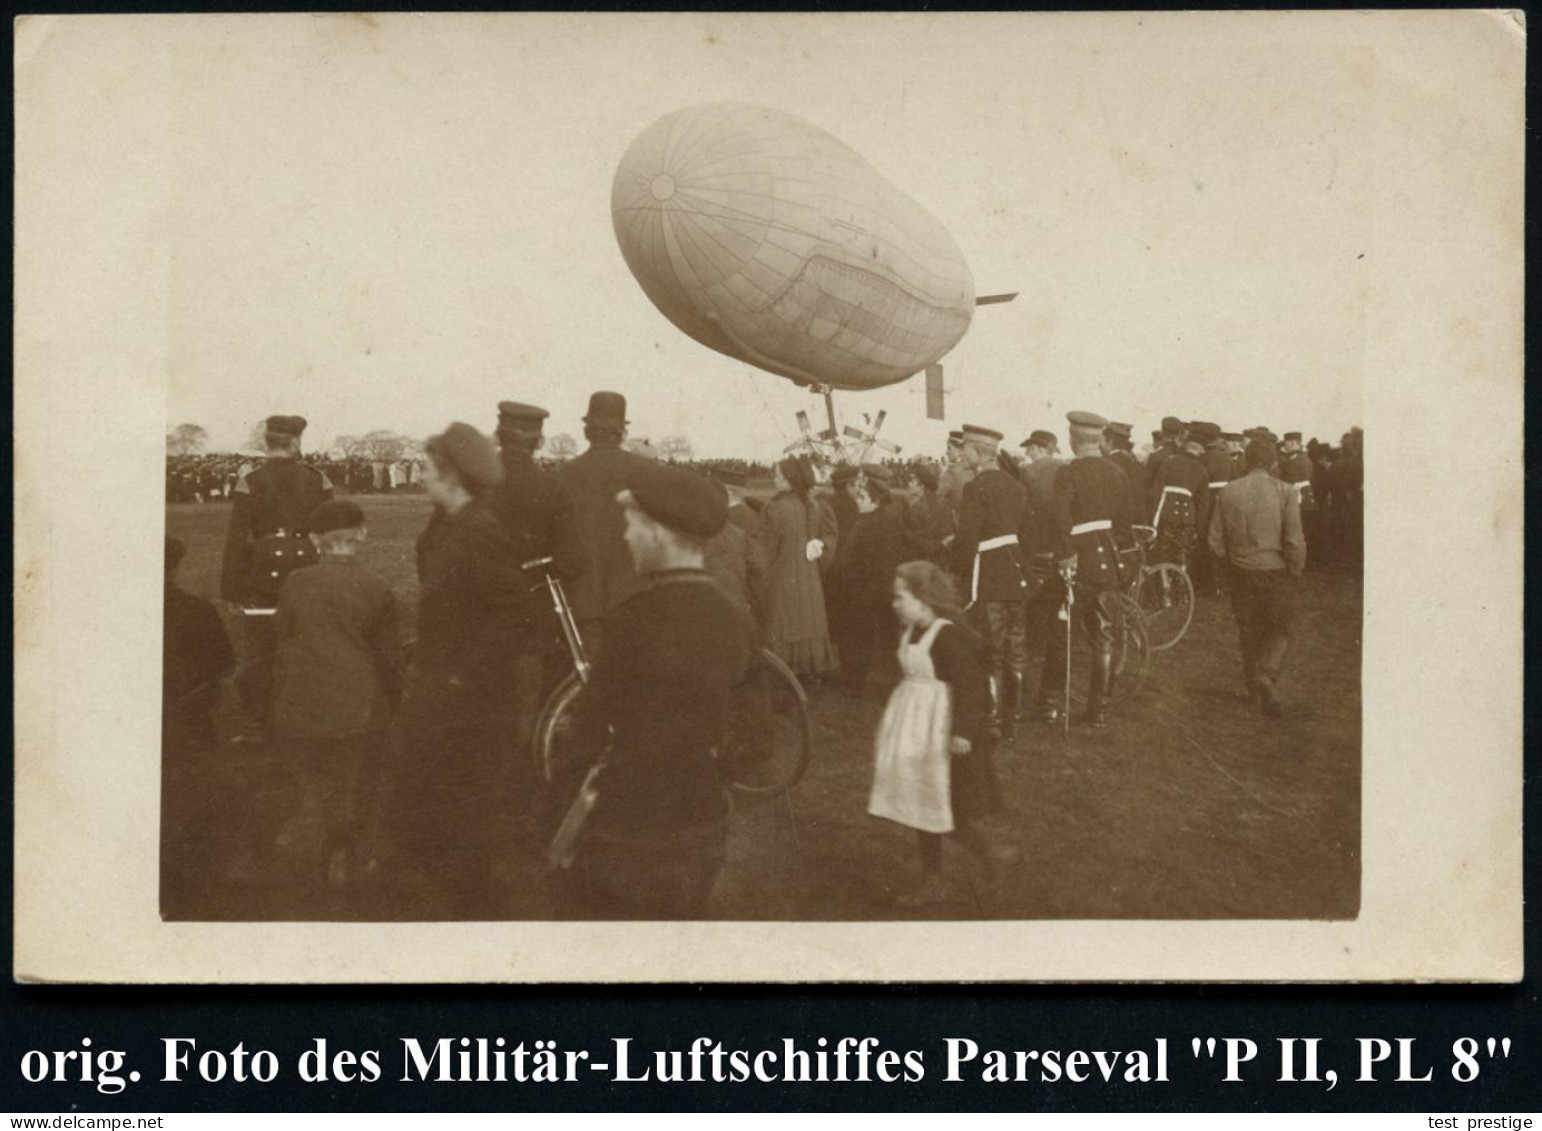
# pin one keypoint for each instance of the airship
(770, 241)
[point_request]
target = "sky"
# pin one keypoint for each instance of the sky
(397, 221)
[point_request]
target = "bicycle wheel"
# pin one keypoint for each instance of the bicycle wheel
(1132, 656)
(556, 758)
(770, 739)
(1166, 596)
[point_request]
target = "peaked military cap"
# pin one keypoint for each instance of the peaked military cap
(877, 471)
(1295, 436)
(977, 434)
(513, 410)
(682, 500)
(1122, 430)
(286, 425)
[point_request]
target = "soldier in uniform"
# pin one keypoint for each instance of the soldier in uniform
(538, 516)
(1183, 492)
(265, 541)
(1218, 472)
(1092, 520)
(1296, 467)
(593, 480)
(1120, 449)
(1168, 443)
(993, 522)
(656, 710)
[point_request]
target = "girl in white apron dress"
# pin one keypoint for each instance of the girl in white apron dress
(932, 769)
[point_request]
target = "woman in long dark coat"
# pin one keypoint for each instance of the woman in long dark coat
(798, 537)
(457, 711)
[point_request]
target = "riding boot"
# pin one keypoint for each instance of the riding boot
(1007, 711)
(992, 706)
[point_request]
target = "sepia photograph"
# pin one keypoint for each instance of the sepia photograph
(768, 470)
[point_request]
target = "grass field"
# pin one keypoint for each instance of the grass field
(1191, 805)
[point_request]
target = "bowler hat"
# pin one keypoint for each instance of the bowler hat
(606, 408)
(1039, 438)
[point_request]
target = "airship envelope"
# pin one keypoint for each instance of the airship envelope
(766, 239)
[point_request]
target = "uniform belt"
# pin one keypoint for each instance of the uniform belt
(1218, 486)
(995, 543)
(1184, 491)
(1091, 527)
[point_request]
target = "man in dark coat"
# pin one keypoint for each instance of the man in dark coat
(1120, 449)
(592, 481)
(196, 658)
(541, 522)
(265, 541)
(993, 522)
(879, 545)
(929, 519)
(1092, 520)
(656, 710)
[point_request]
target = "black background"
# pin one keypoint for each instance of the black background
(286, 1019)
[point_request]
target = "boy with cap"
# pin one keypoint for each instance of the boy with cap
(993, 523)
(1092, 520)
(336, 679)
(655, 710)
(263, 543)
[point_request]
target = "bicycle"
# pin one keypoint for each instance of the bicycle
(1132, 656)
(770, 740)
(1163, 593)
